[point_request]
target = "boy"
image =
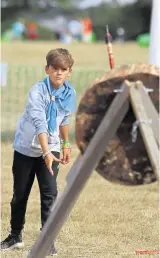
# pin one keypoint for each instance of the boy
(37, 142)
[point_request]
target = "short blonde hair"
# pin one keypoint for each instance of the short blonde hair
(59, 58)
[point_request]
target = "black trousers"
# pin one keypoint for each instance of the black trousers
(24, 171)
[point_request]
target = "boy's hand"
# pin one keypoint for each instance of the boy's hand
(49, 160)
(66, 156)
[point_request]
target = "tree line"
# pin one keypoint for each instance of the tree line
(134, 18)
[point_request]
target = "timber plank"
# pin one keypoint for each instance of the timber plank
(145, 128)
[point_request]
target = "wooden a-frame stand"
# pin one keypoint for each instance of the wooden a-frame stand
(148, 120)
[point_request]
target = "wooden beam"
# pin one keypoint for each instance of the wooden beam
(145, 128)
(150, 110)
(80, 172)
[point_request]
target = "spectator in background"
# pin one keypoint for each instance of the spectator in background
(87, 29)
(18, 29)
(120, 35)
(32, 32)
(75, 29)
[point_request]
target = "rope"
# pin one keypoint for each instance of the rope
(135, 127)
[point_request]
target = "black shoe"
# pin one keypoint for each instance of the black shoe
(12, 242)
(52, 251)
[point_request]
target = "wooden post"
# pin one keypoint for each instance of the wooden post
(145, 128)
(80, 172)
(150, 110)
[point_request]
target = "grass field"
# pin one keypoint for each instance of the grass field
(108, 220)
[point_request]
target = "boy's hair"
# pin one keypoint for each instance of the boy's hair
(59, 58)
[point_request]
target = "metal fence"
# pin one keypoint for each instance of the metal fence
(19, 79)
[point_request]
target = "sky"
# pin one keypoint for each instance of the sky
(89, 3)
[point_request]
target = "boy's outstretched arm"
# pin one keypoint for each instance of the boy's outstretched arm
(66, 151)
(49, 158)
(36, 105)
(64, 132)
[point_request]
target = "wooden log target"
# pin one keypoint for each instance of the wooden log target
(124, 161)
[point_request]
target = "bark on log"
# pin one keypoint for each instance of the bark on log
(123, 161)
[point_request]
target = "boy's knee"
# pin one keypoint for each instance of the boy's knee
(50, 194)
(19, 196)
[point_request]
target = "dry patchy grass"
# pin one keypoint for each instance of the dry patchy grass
(107, 221)
(85, 55)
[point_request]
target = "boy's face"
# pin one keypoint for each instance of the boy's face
(58, 75)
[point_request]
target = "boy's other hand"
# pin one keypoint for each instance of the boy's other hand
(49, 160)
(66, 156)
